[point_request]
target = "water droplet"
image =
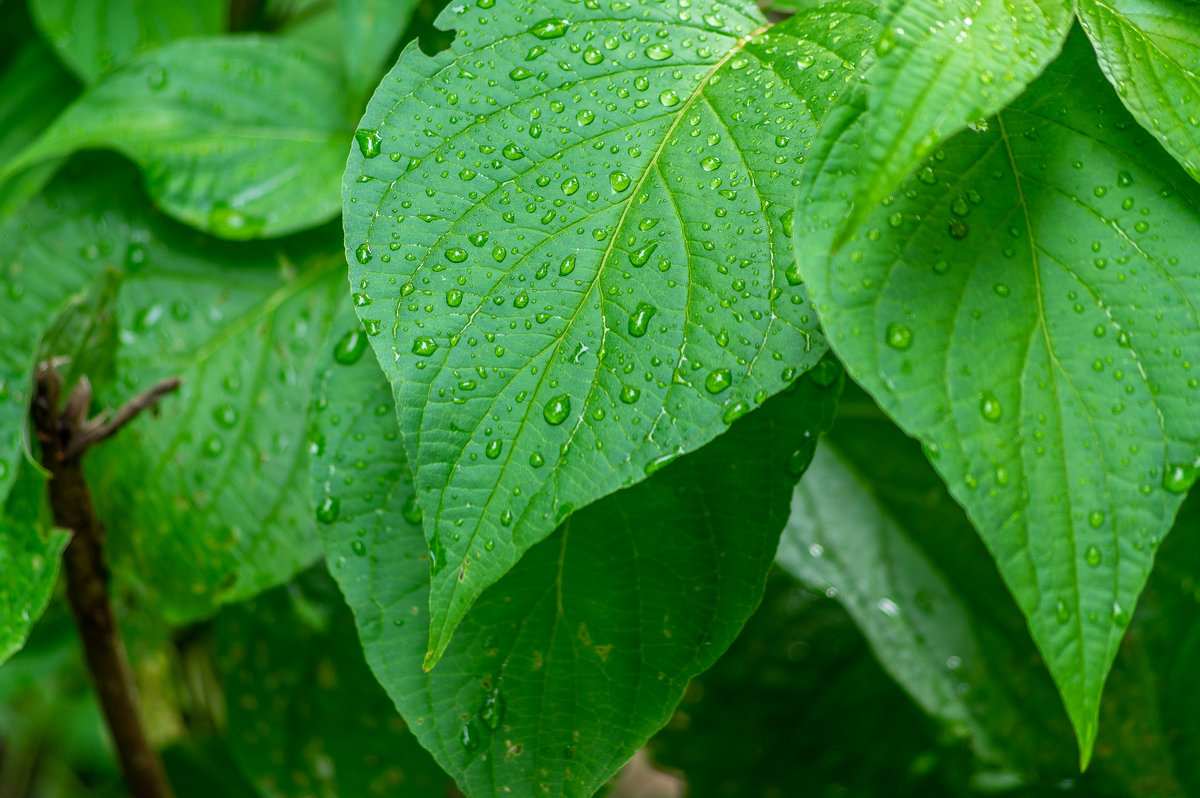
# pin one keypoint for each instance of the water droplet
(493, 449)
(899, 336)
(629, 394)
(658, 52)
(570, 186)
(456, 255)
(226, 416)
(454, 297)
(424, 346)
(410, 511)
(350, 348)
(1095, 519)
(1092, 556)
(557, 409)
(639, 322)
(1062, 612)
(363, 254)
(370, 143)
(327, 511)
(718, 380)
(552, 28)
(669, 98)
(734, 412)
(212, 446)
(567, 266)
(492, 711)
(989, 406)
(536, 460)
(642, 255)
(470, 736)
(711, 163)
(1178, 477)
(619, 181)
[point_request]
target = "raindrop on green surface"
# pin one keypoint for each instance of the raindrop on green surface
(711, 163)
(550, 28)
(735, 411)
(659, 52)
(899, 336)
(521, 300)
(536, 460)
(456, 255)
(1095, 519)
(454, 297)
(363, 254)
(619, 181)
(718, 380)
(370, 143)
(557, 409)
(493, 449)
(1178, 477)
(327, 511)
(585, 117)
(492, 711)
(424, 346)
(629, 394)
(359, 548)
(639, 321)
(1092, 556)
(1062, 612)
(212, 446)
(669, 98)
(512, 152)
(570, 186)
(989, 406)
(592, 56)
(470, 737)
(642, 255)
(350, 348)
(567, 266)
(226, 416)
(410, 511)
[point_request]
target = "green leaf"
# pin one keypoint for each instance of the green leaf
(306, 717)
(578, 259)
(370, 33)
(1028, 315)
(205, 495)
(1150, 50)
(568, 664)
(93, 36)
(240, 137)
(942, 66)
(29, 560)
(64, 235)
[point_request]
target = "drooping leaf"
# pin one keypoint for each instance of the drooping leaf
(942, 66)
(371, 30)
(240, 137)
(29, 560)
(93, 36)
(1028, 313)
(873, 525)
(205, 495)
(563, 668)
(1150, 51)
(570, 230)
(306, 718)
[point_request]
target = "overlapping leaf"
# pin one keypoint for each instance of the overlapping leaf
(1026, 307)
(1150, 51)
(306, 718)
(93, 36)
(569, 234)
(941, 66)
(371, 30)
(563, 668)
(29, 559)
(205, 496)
(240, 137)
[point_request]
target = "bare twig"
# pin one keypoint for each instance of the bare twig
(65, 436)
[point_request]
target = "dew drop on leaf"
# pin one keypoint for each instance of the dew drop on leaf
(327, 511)
(370, 143)
(493, 449)
(718, 380)
(899, 336)
(553, 28)
(557, 409)
(990, 407)
(639, 322)
(424, 346)
(350, 348)
(1178, 477)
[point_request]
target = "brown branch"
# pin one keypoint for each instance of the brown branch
(64, 437)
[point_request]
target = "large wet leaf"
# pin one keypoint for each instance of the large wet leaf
(93, 36)
(568, 234)
(240, 137)
(29, 560)
(941, 66)
(306, 718)
(205, 496)
(567, 665)
(1150, 50)
(1027, 309)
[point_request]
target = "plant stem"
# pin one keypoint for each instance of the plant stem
(65, 436)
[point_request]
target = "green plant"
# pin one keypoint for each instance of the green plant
(607, 261)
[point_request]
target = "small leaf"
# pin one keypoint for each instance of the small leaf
(242, 138)
(306, 717)
(92, 37)
(1029, 315)
(942, 66)
(29, 560)
(1150, 51)
(564, 236)
(570, 662)
(370, 32)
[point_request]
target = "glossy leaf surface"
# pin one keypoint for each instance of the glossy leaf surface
(941, 66)
(1150, 51)
(1026, 308)
(93, 36)
(567, 665)
(266, 165)
(577, 268)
